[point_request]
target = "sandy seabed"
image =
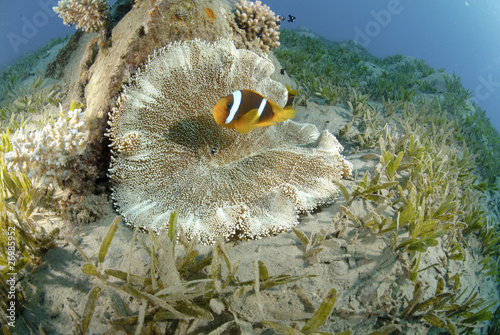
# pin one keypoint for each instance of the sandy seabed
(371, 280)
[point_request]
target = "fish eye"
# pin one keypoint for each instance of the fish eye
(214, 149)
(229, 105)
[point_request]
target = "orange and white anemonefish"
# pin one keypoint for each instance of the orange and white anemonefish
(245, 109)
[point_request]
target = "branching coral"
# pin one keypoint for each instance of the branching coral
(88, 15)
(45, 153)
(169, 153)
(259, 23)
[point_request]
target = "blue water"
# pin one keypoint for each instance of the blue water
(459, 36)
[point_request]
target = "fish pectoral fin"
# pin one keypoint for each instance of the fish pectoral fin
(247, 122)
(284, 114)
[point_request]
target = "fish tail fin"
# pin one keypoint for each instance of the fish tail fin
(247, 122)
(281, 114)
(291, 95)
(285, 114)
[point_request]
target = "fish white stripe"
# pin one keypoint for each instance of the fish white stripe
(235, 107)
(262, 105)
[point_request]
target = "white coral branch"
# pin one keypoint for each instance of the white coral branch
(259, 22)
(88, 15)
(44, 153)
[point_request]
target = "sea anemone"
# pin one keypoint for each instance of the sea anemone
(168, 152)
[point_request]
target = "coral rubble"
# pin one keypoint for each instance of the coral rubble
(45, 153)
(259, 24)
(88, 15)
(168, 151)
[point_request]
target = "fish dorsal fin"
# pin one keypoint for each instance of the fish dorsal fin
(247, 122)
(291, 95)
